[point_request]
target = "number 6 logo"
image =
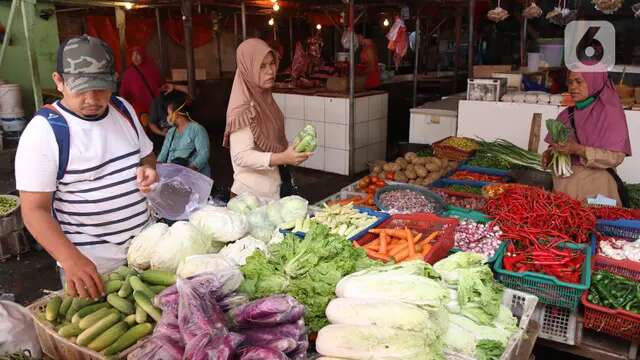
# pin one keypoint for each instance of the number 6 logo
(589, 46)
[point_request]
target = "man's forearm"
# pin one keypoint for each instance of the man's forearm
(149, 160)
(155, 129)
(46, 230)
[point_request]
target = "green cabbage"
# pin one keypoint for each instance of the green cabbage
(464, 334)
(144, 245)
(220, 224)
(244, 203)
(450, 266)
(479, 295)
(489, 350)
(179, 242)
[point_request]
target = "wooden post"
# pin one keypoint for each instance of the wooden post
(472, 10)
(534, 133)
(416, 63)
(28, 14)
(162, 41)
(243, 15)
(121, 25)
(7, 33)
(457, 59)
(187, 22)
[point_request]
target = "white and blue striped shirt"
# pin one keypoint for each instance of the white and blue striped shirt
(97, 203)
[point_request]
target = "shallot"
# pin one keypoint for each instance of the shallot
(406, 201)
(619, 249)
(478, 238)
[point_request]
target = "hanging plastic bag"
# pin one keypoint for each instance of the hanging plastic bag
(498, 14)
(532, 11)
(17, 332)
(636, 10)
(561, 15)
(179, 192)
(607, 6)
(345, 40)
(398, 41)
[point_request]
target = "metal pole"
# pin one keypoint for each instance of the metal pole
(28, 14)
(291, 44)
(7, 33)
(416, 62)
(457, 59)
(161, 44)
(187, 22)
(523, 44)
(121, 25)
(352, 90)
(472, 8)
(243, 15)
(235, 28)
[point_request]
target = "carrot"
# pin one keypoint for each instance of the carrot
(432, 236)
(375, 242)
(399, 233)
(383, 243)
(425, 249)
(398, 249)
(415, 257)
(376, 255)
(417, 237)
(412, 246)
(401, 255)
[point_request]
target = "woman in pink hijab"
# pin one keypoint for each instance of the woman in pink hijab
(598, 140)
(141, 83)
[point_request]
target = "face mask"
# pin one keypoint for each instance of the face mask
(172, 117)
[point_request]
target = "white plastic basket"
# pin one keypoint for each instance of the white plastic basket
(522, 306)
(557, 324)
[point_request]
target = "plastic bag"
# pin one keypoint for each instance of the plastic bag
(159, 348)
(268, 312)
(345, 40)
(532, 11)
(260, 227)
(498, 14)
(17, 332)
(261, 353)
(179, 192)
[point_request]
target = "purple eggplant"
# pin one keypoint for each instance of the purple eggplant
(268, 312)
(211, 347)
(261, 335)
(198, 313)
(260, 353)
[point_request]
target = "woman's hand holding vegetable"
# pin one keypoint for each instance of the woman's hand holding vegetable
(289, 157)
(570, 148)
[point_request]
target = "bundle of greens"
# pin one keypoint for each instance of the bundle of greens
(507, 152)
(634, 195)
(307, 269)
(560, 162)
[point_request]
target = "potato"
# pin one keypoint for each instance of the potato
(410, 156)
(387, 167)
(420, 161)
(411, 174)
(401, 177)
(444, 163)
(411, 167)
(431, 179)
(432, 167)
(455, 164)
(377, 169)
(402, 162)
(421, 171)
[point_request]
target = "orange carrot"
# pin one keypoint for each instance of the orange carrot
(411, 244)
(425, 249)
(399, 233)
(398, 249)
(401, 255)
(375, 242)
(383, 243)
(376, 255)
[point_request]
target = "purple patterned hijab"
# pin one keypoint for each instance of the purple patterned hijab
(602, 124)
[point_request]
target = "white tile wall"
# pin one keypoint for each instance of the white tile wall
(361, 158)
(375, 107)
(316, 161)
(336, 110)
(335, 136)
(385, 105)
(376, 130)
(361, 134)
(294, 106)
(336, 161)
(362, 109)
(292, 127)
(377, 151)
(319, 131)
(314, 108)
(280, 99)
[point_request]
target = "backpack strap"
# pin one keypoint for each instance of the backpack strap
(61, 132)
(122, 109)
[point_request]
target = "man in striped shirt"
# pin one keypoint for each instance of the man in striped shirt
(85, 213)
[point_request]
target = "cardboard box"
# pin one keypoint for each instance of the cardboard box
(181, 74)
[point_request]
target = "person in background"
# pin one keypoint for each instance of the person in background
(255, 133)
(141, 83)
(81, 167)
(158, 124)
(598, 140)
(187, 142)
(369, 60)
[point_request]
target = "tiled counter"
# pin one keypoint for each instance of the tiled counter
(330, 116)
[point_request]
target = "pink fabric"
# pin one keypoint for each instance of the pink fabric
(602, 124)
(133, 88)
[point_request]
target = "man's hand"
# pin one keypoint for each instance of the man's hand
(570, 148)
(167, 88)
(82, 278)
(146, 176)
(546, 158)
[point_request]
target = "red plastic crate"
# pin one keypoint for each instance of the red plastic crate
(426, 224)
(627, 268)
(445, 193)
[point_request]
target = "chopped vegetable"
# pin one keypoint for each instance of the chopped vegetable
(406, 201)
(343, 220)
(474, 176)
(461, 143)
(465, 189)
(478, 238)
(463, 200)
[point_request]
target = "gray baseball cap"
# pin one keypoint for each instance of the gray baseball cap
(86, 63)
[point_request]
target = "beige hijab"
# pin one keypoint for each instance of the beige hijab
(252, 106)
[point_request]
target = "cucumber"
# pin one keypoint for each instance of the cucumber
(98, 328)
(141, 315)
(51, 313)
(76, 305)
(129, 338)
(138, 285)
(143, 301)
(130, 320)
(121, 304)
(157, 288)
(126, 289)
(69, 330)
(66, 304)
(93, 318)
(89, 309)
(116, 276)
(108, 337)
(157, 277)
(125, 270)
(112, 286)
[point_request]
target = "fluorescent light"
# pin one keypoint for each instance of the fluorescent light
(271, 21)
(385, 22)
(276, 7)
(319, 27)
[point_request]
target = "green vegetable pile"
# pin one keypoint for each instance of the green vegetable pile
(489, 350)
(7, 205)
(634, 195)
(465, 189)
(614, 291)
(307, 269)
(508, 153)
(426, 152)
(483, 158)
(112, 324)
(25, 355)
(560, 162)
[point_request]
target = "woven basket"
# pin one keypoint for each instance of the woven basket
(450, 152)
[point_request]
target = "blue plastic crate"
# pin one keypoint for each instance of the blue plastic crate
(628, 229)
(484, 170)
(440, 204)
(382, 216)
(447, 182)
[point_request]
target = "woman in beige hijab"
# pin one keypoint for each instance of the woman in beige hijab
(255, 133)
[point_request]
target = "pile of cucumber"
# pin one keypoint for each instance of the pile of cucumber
(117, 321)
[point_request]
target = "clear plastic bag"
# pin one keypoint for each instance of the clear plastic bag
(159, 347)
(267, 312)
(179, 192)
(261, 353)
(17, 332)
